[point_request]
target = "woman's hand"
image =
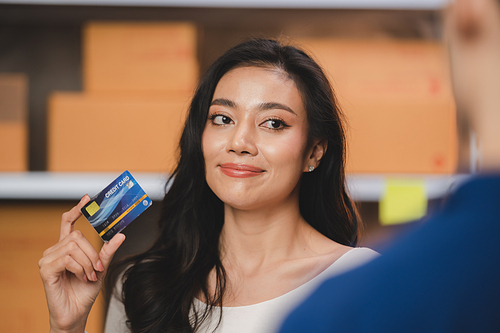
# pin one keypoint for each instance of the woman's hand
(72, 273)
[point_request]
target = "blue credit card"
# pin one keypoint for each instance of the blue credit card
(115, 207)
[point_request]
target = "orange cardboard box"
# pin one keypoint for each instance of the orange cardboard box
(139, 56)
(398, 103)
(13, 123)
(114, 132)
(27, 228)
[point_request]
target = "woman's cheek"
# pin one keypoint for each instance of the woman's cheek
(207, 143)
(293, 146)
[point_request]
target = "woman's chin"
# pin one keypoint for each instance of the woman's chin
(244, 203)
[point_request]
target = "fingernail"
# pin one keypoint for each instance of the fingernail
(94, 276)
(100, 266)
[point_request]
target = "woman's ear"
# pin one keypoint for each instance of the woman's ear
(469, 16)
(315, 155)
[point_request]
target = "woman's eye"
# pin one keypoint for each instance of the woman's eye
(274, 124)
(221, 120)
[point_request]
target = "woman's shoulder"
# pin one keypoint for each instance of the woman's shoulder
(352, 258)
(360, 253)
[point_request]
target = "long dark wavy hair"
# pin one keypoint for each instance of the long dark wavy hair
(160, 285)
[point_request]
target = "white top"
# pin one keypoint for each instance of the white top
(256, 318)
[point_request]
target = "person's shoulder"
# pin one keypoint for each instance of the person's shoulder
(351, 259)
(360, 254)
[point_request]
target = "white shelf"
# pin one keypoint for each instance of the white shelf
(72, 186)
(69, 185)
(372, 187)
(321, 4)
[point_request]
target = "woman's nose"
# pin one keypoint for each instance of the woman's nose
(243, 139)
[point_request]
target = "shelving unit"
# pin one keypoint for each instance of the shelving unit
(48, 34)
(341, 18)
(71, 186)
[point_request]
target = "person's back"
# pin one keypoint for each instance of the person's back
(444, 276)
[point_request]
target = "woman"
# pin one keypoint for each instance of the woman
(256, 216)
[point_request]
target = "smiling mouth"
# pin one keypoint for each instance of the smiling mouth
(240, 170)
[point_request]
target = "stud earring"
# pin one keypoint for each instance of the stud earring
(311, 168)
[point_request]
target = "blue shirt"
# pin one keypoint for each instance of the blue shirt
(442, 277)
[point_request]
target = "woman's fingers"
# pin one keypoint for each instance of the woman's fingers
(51, 268)
(108, 250)
(70, 257)
(75, 254)
(77, 237)
(69, 218)
(99, 262)
(69, 264)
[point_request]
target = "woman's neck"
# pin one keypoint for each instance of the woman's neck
(270, 251)
(256, 239)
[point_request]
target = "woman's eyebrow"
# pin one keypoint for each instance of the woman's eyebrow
(262, 106)
(223, 102)
(273, 105)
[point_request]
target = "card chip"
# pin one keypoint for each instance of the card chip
(93, 208)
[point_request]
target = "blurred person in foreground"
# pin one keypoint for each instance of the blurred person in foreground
(445, 275)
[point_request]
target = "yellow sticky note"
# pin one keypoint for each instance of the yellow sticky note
(404, 200)
(92, 208)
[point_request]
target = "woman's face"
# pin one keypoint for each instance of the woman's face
(255, 138)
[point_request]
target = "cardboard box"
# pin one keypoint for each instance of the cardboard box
(106, 132)
(398, 102)
(139, 57)
(27, 229)
(13, 122)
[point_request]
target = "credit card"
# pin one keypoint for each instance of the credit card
(115, 207)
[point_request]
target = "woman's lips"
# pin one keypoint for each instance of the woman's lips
(240, 170)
